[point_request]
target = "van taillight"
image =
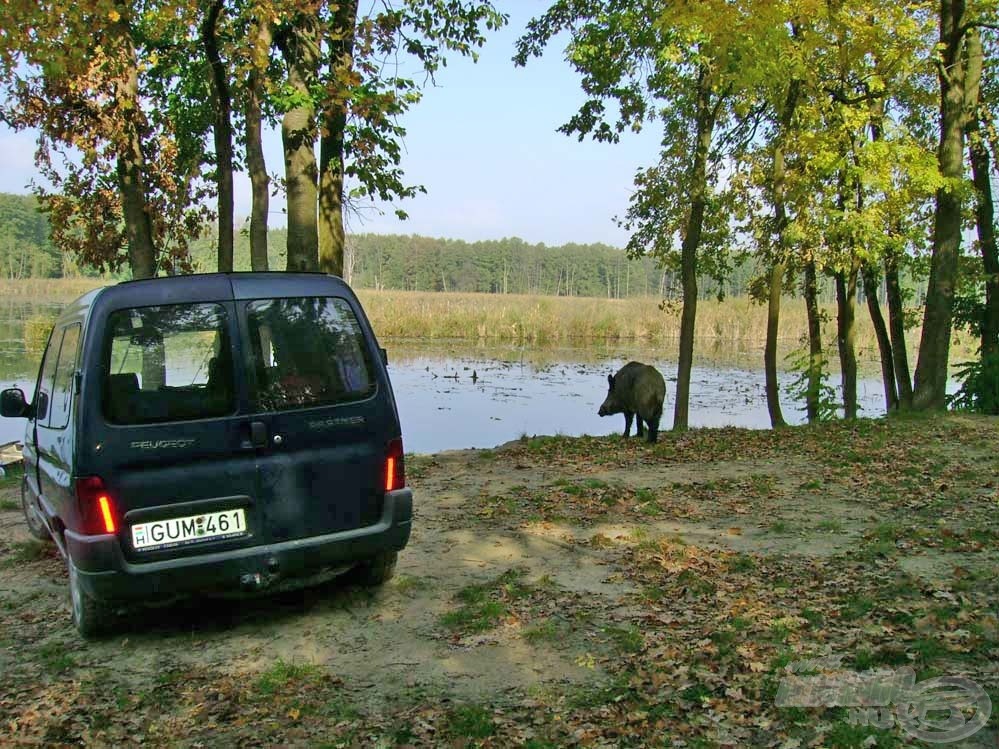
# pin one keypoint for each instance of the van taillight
(395, 466)
(96, 507)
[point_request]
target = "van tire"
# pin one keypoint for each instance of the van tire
(36, 526)
(377, 570)
(91, 617)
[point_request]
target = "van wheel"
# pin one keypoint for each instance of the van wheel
(375, 571)
(36, 526)
(90, 617)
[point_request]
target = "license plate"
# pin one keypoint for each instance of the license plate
(165, 534)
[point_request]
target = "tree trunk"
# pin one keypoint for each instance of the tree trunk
(896, 324)
(255, 163)
(222, 133)
(770, 350)
(131, 178)
(871, 285)
(985, 220)
(958, 73)
(706, 113)
(846, 332)
(300, 47)
(778, 262)
(898, 387)
(814, 372)
(331, 146)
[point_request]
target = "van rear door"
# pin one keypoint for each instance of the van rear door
(319, 413)
(171, 451)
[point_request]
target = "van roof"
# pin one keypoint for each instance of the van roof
(204, 287)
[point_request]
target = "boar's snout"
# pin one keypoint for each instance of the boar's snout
(609, 406)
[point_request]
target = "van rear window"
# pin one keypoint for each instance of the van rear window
(168, 363)
(307, 352)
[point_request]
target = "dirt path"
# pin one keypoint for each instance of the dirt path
(560, 591)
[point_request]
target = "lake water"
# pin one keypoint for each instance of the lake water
(516, 391)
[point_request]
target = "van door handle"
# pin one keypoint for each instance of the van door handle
(258, 434)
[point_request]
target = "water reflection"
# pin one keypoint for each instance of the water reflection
(515, 390)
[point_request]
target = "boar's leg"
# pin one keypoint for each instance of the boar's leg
(628, 415)
(653, 430)
(639, 426)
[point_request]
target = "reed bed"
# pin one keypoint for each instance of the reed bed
(551, 321)
(570, 320)
(50, 289)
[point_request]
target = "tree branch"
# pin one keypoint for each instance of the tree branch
(976, 25)
(841, 98)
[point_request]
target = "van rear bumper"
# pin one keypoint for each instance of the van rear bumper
(105, 574)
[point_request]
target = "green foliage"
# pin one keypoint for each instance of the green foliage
(801, 387)
(25, 248)
(969, 298)
(979, 391)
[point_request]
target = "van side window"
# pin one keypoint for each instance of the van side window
(307, 352)
(44, 397)
(62, 389)
(168, 363)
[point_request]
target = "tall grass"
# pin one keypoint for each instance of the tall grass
(546, 321)
(565, 320)
(50, 289)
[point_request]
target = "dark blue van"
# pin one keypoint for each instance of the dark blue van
(212, 433)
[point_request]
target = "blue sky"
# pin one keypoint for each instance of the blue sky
(484, 144)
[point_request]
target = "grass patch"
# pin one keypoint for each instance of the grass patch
(855, 607)
(695, 583)
(652, 594)
(590, 696)
(12, 475)
(470, 722)
(830, 526)
(927, 649)
(847, 736)
(283, 673)
(644, 495)
(724, 640)
(779, 527)
(546, 631)
(54, 659)
(24, 552)
(741, 563)
(474, 618)
(696, 693)
(409, 584)
(762, 483)
(485, 605)
(886, 533)
(813, 617)
(8, 505)
(626, 639)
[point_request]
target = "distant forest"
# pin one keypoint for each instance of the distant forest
(407, 262)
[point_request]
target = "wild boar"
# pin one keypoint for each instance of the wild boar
(637, 389)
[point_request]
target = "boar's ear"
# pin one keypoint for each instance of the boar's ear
(610, 380)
